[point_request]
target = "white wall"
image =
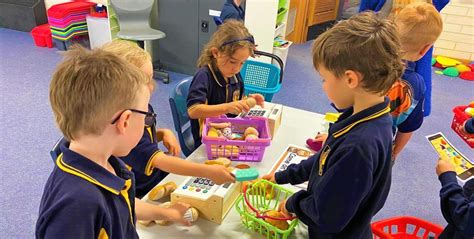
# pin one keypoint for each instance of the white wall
(457, 38)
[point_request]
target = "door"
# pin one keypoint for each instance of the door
(296, 21)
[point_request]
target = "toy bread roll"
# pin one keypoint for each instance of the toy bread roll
(220, 125)
(219, 161)
(281, 224)
(251, 130)
(162, 191)
(164, 222)
(251, 102)
(145, 223)
(191, 215)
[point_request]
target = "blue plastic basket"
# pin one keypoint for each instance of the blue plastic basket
(262, 78)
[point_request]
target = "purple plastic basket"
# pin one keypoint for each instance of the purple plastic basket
(238, 150)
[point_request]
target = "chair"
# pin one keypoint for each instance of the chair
(179, 111)
(56, 150)
(262, 78)
(133, 17)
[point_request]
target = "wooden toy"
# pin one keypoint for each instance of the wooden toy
(219, 161)
(212, 201)
(246, 174)
(272, 112)
(161, 191)
(251, 102)
(281, 224)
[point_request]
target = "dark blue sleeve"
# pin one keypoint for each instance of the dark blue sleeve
(469, 126)
(199, 89)
(414, 120)
(374, 5)
(72, 218)
(229, 12)
(297, 173)
(140, 158)
(440, 4)
(326, 205)
(456, 207)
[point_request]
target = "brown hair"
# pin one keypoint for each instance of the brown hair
(89, 87)
(365, 44)
(130, 51)
(231, 30)
(419, 24)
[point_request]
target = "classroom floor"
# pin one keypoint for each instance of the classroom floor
(27, 131)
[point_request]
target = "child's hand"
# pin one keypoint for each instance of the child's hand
(321, 137)
(443, 166)
(270, 177)
(237, 107)
(175, 213)
(171, 143)
(282, 209)
(219, 174)
(259, 98)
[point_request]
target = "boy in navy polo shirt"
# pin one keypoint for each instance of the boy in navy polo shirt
(232, 10)
(349, 179)
(419, 25)
(457, 203)
(217, 87)
(149, 164)
(100, 105)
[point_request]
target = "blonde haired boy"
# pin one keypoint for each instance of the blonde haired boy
(100, 105)
(418, 26)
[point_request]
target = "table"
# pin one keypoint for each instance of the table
(296, 126)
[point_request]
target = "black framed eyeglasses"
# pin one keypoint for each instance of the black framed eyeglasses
(249, 39)
(150, 117)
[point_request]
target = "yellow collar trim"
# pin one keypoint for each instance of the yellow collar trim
(215, 76)
(69, 169)
(349, 127)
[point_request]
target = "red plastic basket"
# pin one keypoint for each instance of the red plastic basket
(42, 36)
(458, 120)
(238, 150)
(405, 227)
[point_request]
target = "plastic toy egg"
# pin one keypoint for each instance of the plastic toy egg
(469, 111)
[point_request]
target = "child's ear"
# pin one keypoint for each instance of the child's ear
(425, 49)
(124, 121)
(214, 51)
(352, 78)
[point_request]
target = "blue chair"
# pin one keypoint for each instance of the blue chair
(262, 78)
(56, 150)
(179, 111)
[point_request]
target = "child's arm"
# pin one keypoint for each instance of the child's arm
(457, 209)
(205, 111)
(401, 140)
(169, 141)
(217, 173)
(148, 212)
(295, 173)
(335, 199)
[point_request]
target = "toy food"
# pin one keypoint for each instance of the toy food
(269, 192)
(220, 125)
(469, 111)
(280, 224)
(251, 130)
(242, 166)
(251, 137)
(162, 191)
(191, 214)
(219, 161)
(212, 132)
(251, 102)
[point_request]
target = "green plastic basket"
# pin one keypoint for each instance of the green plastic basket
(253, 203)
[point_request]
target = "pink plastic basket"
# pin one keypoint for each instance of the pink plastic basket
(238, 150)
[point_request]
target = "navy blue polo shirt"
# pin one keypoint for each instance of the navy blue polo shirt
(349, 179)
(140, 161)
(407, 96)
(231, 11)
(210, 87)
(83, 200)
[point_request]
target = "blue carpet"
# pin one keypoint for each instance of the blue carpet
(27, 131)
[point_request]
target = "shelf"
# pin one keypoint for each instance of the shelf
(279, 30)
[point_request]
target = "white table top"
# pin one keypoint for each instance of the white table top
(296, 126)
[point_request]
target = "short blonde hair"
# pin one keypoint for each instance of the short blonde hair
(89, 87)
(366, 44)
(232, 31)
(419, 24)
(130, 51)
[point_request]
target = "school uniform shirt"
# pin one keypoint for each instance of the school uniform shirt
(210, 87)
(406, 100)
(230, 10)
(83, 200)
(140, 161)
(457, 206)
(349, 179)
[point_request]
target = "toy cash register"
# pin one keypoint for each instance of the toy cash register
(271, 111)
(212, 201)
